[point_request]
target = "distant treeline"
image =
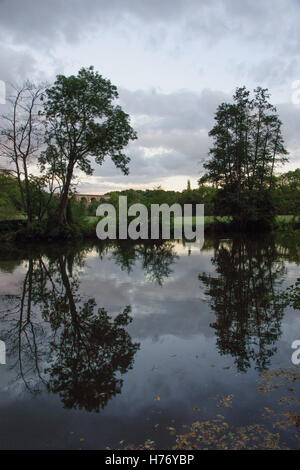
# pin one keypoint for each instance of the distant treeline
(76, 124)
(285, 193)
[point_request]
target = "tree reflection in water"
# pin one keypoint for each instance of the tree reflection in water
(242, 295)
(63, 340)
(156, 257)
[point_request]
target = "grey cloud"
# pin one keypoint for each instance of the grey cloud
(178, 123)
(172, 128)
(181, 294)
(256, 20)
(15, 65)
(174, 110)
(290, 116)
(72, 19)
(275, 71)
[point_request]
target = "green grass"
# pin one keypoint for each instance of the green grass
(8, 217)
(208, 219)
(90, 219)
(286, 218)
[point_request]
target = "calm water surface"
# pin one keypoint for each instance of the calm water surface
(116, 342)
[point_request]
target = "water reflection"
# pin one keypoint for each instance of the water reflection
(156, 257)
(243, 295)
(60, 338)
(66, 324)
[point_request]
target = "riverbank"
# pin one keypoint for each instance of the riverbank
(16, 230)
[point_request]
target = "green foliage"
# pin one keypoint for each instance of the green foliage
(10, 198)
(79, 210)
(82, 122)
(286, 193)
(202, 195)
(247, 146)
(248, 208)
(292, 295)
(91, 208)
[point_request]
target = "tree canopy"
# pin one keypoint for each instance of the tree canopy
(247, 146)
(83, 122)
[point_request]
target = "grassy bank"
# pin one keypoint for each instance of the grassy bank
(14, 228)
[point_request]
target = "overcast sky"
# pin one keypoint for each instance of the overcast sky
(173, 61)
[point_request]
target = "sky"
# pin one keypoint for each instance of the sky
(173, 62)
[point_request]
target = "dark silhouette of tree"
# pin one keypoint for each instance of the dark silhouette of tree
(125, 254)
(247, 146)
(23, 331)
(83, 122)
(157, 259)
(243, 298)
(91, 351)
(84, 348)
(63, 340)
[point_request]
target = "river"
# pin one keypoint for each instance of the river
(111, 344)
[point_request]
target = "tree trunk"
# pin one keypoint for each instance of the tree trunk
(27, 194)
(64, 196)
(69, 215)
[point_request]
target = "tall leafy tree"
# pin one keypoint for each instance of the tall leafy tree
(247, 146)
(83, 122)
